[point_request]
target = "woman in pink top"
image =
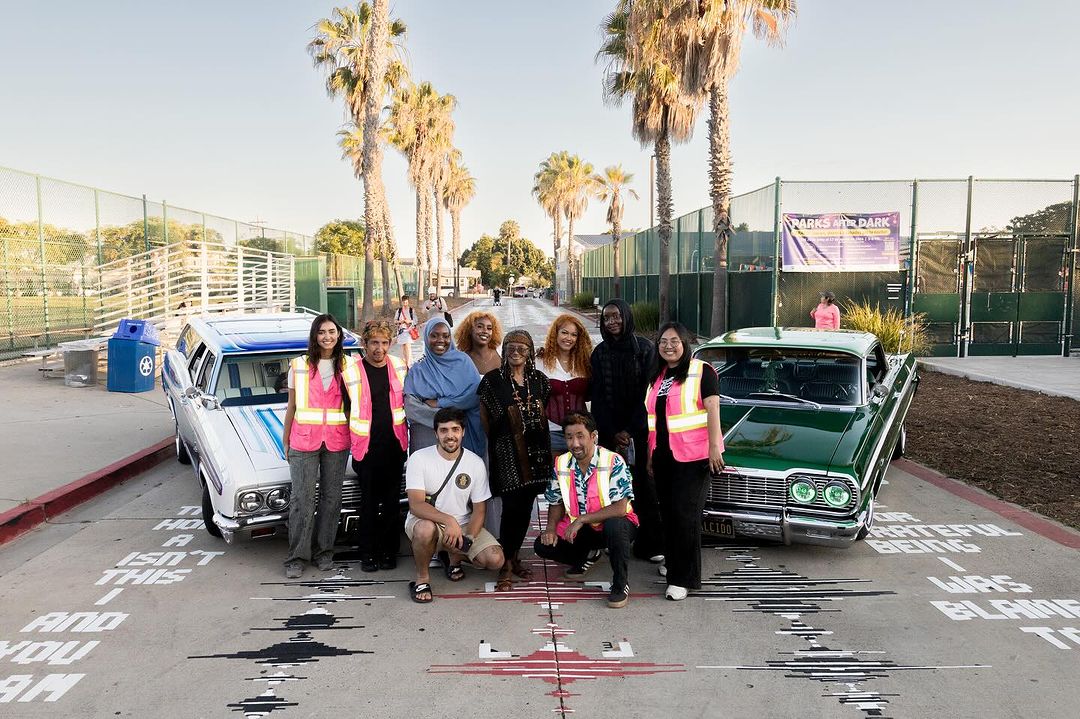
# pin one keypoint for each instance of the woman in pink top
(826, 315)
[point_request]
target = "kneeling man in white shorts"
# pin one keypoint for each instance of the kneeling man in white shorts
(441, 481)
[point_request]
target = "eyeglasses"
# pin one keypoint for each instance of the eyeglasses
(669, 343)
(517, 350)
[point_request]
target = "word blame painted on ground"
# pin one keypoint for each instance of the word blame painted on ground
(137, 568)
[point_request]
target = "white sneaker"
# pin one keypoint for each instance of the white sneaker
(675, 593)
(662, 570)
(657, 559)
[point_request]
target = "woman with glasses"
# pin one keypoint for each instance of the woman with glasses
(564, 359)
(512, 408)
(685, 444)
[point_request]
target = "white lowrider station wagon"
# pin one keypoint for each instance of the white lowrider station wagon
(226, 387)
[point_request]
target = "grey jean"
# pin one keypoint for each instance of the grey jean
(312, 534)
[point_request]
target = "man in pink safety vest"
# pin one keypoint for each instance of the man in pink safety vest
(589, 508)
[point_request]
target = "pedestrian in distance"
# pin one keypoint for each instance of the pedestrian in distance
(589, 509)
(686, 443)
(407, 329)
(478, 336)
(497, 295)
(443, 377)
(826, 315)
(512, 407)
(380, 442)
(621, 366)
(435, 306)
(316, 444)
(565, 360)
(442, 481)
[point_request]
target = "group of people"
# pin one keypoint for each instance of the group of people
(620, 440)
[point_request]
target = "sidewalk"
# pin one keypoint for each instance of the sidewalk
(54, 435)
(1058, 376)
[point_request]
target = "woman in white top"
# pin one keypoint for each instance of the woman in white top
(564, 359)
(406, 321)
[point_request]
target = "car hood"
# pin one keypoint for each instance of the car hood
(780, 438)
(260, 428)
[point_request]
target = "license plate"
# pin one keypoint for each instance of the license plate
(718, 526)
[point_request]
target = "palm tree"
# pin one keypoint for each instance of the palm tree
(353, 47)
(351, 141)
(661, 110)
(421, 127)
(458, 191)
(549, 193)
(611, 184)
(578, 183)
(704, 42)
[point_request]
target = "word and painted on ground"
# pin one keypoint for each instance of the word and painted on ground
(137, 568)
(902, 533)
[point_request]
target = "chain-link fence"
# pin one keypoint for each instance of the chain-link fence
(989, 263)
(54, 235)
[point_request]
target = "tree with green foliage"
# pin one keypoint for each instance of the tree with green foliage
(341, 237)
(611, 183)
(489, 256)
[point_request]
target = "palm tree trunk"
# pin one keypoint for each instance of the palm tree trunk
(663, 214)
(557, 246)
(616, 237)
(571, 269)
(421, 256)
(371, 163)
(391, 256)
(455, 221)
(439, 243)
(720, 180)
(428, 259)
(367, 307)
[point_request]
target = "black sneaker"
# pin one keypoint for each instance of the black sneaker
(618, 598)
(388, 562)
(577, 574)
(368, 564)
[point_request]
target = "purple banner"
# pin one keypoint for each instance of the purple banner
(841, 242)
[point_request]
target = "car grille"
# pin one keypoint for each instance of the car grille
(768, 492)
(350, 492)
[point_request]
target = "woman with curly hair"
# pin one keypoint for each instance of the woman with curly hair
(512, 402)
(478, 336)
(564, 359)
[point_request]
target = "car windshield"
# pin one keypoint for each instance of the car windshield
(250, 379)
(781, 374)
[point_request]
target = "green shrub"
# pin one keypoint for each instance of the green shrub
(898, 334)
(582, 300)
(646, 316)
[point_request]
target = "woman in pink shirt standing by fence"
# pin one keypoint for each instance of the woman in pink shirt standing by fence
(826, 315)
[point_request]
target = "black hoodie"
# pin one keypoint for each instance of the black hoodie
(620, 371)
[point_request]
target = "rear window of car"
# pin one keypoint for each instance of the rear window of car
(822, 376)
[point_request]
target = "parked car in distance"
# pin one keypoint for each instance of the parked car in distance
(225, 384)
(811, 419)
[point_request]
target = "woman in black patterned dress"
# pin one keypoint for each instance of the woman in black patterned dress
(512, 408)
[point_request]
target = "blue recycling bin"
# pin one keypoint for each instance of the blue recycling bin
(132, 357)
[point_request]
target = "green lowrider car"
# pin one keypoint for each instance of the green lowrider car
(811, 420)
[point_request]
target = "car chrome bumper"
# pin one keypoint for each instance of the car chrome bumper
(783, 526)
(241, 528)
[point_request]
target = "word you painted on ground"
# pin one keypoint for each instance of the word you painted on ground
(54, 649)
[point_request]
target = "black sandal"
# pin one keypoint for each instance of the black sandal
(421, 588)
(454, 572)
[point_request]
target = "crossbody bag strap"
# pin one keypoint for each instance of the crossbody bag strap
(430, 499)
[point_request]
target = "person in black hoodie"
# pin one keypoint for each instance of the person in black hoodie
(620, 371)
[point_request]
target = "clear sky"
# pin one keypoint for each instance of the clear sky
(215, 106)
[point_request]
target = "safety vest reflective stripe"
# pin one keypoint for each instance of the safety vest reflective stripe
(691, 414)
(305, 413)
(352, 374)
(605, 465)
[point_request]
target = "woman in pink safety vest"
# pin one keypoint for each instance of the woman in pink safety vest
(826, 315)
(316, 443)
(380, 442)
(685, 444)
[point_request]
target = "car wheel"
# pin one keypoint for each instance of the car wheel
(865, 531)
(182, 455)
(208, 512)
(901, 444)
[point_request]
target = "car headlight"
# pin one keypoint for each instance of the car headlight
(251, 501)
(836, 494)
(278, 498)
(803, 491)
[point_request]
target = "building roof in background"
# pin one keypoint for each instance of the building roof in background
(590, 242)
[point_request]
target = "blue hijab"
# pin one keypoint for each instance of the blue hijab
(451, 380)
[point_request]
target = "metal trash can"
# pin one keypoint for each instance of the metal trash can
(132, 357)
(80, 365)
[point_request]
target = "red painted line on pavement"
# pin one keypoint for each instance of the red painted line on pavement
(1025, 518)
(21, 519)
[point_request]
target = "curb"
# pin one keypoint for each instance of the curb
(21, 519)
(1043, 526)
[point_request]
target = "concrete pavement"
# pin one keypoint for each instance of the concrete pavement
(1050, 375)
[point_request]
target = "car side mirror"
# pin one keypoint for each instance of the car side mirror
(878, 392)
(176, 372)
(210, 401)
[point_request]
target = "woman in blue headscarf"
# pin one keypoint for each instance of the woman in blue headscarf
(444, 377)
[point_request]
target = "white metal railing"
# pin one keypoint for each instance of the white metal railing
(171, 283)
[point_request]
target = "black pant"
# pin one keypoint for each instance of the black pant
(680, 487)
(616, 536)
(379, 474)
(650, 536)
(517, 507)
